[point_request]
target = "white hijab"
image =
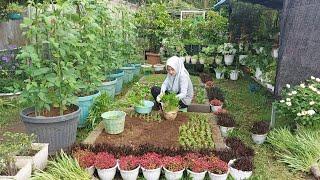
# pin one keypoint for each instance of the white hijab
(177, 64)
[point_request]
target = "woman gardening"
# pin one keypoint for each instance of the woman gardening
(177, 81)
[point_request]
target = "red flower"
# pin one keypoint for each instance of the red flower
(174, 164)
(217, 166)
(85, 158)
(104, 161)
(151, 161)
(215, 102)
(128, 163)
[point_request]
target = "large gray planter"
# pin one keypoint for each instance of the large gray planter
(60, 131)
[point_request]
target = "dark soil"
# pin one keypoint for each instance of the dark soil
(137, 132)
(243, 164)
(55, 112)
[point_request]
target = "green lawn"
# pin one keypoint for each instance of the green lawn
(247, 108)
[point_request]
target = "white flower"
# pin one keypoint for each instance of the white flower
(312, 77)
(288, 99)
(289, 94)
(282, 101)
(313, 88)
(318, 79)
(312, 103)
(294, 92)
(302, 85)
(288, 85)
(303, 113)
(311, 112)
(299, 114)
(318, 92)
(288, 103)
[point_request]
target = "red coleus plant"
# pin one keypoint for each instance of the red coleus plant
(174, 164)
(209, 84)
(104, 160)
(217, 166)
(215, 102)
(198, 165)
(151, 161)
(85, 158)
(128, 163)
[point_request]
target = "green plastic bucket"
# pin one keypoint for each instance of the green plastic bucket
(114, 121)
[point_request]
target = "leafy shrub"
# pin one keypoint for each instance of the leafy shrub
(174, 164)
(244, 164)
(128, 163)
(104, 160)
(85, 158)
(226, 120)
(151, 161)
(170, 102)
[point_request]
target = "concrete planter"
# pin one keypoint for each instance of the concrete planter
(40, 159)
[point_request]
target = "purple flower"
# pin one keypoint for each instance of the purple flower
(5, 59)
(12, 47)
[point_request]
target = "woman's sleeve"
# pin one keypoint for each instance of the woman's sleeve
(183, 87)
(164, 85)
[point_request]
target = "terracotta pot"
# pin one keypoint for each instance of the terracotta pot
(153, 58)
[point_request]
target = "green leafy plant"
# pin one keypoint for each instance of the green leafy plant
(227, 49)
(62, 167)
(200, 96)
(301, 103)
(170, 102)
(138, 93)
(14, 8)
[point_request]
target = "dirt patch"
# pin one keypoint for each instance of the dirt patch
(137, 131)
(16, 126)
(55, 112)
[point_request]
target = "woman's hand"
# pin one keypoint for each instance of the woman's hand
(159, 97)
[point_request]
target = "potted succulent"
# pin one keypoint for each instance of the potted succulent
(151, 164)
(173, 167)
(53, 117)
(259, 131)
(220, 70)
(86, 160)
(228, 51)
(137, 97)
(215, 105)
(241, 168)
(218, 169)
(14, 11)
(226, 124)
(170, 106)
(10, 167)
(129, 167)
(106, 165)
(197, 168)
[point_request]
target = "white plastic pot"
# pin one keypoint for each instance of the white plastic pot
(215, 108)
(224, 130)
(241, 59)
(258, 73)
(270, 86)
(188, 59)
(218, 176)
(170, 175)
(40, 159)
(219, 75)
(234, 74)
(146, 66)
(107, 174)
(201, 61)
(259, 138)
(151, 174)
(90, 170)
(25, 169)
(238, 174)
(194, 61)
(158, 67)
(228, 59)
(196, 176)
(274, 53)
(129, 175)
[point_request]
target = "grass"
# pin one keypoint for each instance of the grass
(9, 114)
(248, 108)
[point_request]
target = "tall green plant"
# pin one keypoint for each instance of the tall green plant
(170, 102)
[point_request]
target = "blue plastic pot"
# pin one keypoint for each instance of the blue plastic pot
(85, 104)
(119, 75)
(145, 109)
(15, 16)
(109, 87)
(128, 73)
(114, 121)
(137, 70)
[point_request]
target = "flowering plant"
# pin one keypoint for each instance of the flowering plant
(85, 158)
(151, 161)
(128, 163)
(302, 103)
(104, 160)
(217, 166)
(227, 49)
(173, 163)
(215, 102)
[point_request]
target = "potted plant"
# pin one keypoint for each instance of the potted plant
(137, 98)
(215, 105)
(129, 167)
(10, 167)
(86, 160)
(218, 60)
(209, 84)
(53, 117)
(259, 131)
(188, 59)
(233, 142)
(226, 124)
(106, 165)
(114, 121)
(128, 72)
(243, 50)
(218, 169)
(194, 59)
(228, 51)
(151, 164)
(170, 106)
(241, 168)
(197, 168)
(173, 167)
(220, 70)
(202, 58)
(158, 67)
(14, 11)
